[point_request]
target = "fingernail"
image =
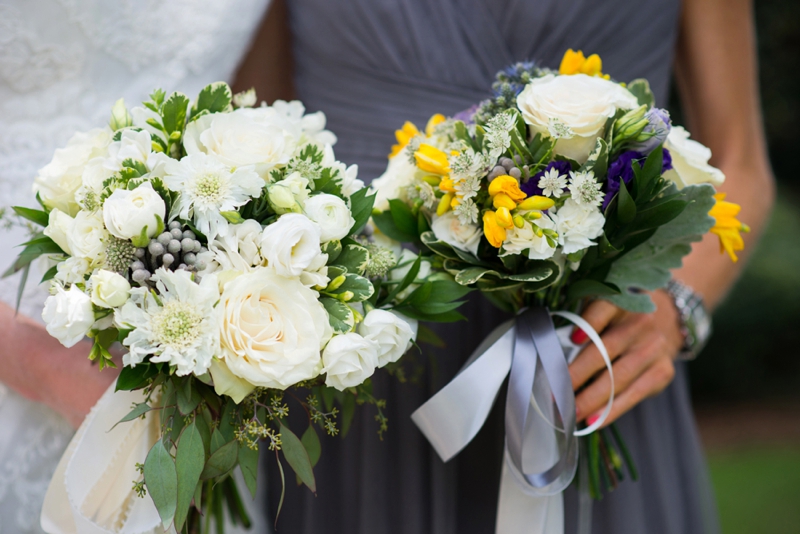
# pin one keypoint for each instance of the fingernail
(579, 337)
(592, 419)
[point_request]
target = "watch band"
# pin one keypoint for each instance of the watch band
(695, 320)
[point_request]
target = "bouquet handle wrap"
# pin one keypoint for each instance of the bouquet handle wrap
(541, 455)
(91, 490)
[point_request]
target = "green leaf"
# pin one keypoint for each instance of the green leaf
(141, 240)
(446, 317)
(658, 215)
(354, 258)
(221, 461)
(173, 112)
(428, 336)
(541, 148)
(447, 291)
(49, 274)
(360, 288)
(640, 88)
(626, 207)
(340, 315)
(138, 411)
(348, 410)
(470, 275)
(42, 218)
(441, 248)
(311, 442)
(598, 160)
(536, 271)
(213, 98)
(404, 219)
(332, 249)
(189, 462)
(21, 288)
(590, 288)
(385, 223)
(131, 378)
(361, 207)
(297, 456)
(188, 397)
(217, 441)
(248, 462)
(407, 280)
(648, 265)
(161, 479)
(232, 217)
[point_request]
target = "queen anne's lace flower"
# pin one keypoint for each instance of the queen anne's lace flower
(552, 183)
(498, 130)
(176, 327)
(584, 189)
(467, 212)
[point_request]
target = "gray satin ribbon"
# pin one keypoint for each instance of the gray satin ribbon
(542, 447)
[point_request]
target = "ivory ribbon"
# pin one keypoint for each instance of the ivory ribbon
(91, 490)
(541, 452)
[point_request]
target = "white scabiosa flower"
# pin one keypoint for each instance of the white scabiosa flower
(584, 189)
(208, 187)
(177, 327)
(552, 183)
(577, 225)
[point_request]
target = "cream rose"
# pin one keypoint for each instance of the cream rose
(392, 334)
(271, 329)
(449, 229)
(690, 161)
(227, 383)
(126, 213)
(291, 244)
(68, 315)
(109, 289)
(58, 181)
(58, 226)
(574, 108)
(87, 236)
(239, 139)
(332, 215)
(348, 360)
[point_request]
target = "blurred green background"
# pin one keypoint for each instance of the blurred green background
(746, 383)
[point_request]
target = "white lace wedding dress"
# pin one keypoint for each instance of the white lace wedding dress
(63, 63)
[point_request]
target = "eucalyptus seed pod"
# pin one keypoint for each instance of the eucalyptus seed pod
(139, 253)
(507, 163)
(189, 234)
(189, 258)
(176, 233)
(187, 245)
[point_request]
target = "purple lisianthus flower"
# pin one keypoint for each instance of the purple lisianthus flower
(660, 124)
(467, 116)
(531, 187)
(622, 169)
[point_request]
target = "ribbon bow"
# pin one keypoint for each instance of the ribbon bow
(541, 451)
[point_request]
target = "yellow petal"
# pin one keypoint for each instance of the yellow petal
(501, 200)
(447, 185)
(432, 122)
(593, 65)
(444, 204)
(508, 185)
(494, 233)
(431, 159)
(504, 218)
(536, 202)
(571, 62)
(403, 136)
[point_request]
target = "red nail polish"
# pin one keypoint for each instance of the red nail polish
(579, 337)
(592, 419)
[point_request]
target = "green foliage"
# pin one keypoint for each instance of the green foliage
(641, 90)
(221, 461)
(398, 222)
(598, 160)
(173, 114)
(354, 258)
(40, 217)
(312, 445)
(161, 478)
(248, 462)
(213, 98)
(297, 457)
(189, 462)
(361, 207)
(340, 315)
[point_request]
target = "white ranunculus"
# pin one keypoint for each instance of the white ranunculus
(239, 250)
(227, 383)
(316, 274)
(405, 261)
(68, 315)
(291, 244)
(349, 359)
(392, 334)
(448, 228)
(575, 106)
(126, 213)
(240, 139)
(350, 181)
(59, 225)
(332, 215)
(58, 181)
(398, 175)
(690, 161)
(577, 226)
(87, 236)
(109, 289)
(72, 270)
(272, 329)
(521, 239)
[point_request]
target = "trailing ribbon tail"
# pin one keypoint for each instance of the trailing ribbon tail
(542, 449)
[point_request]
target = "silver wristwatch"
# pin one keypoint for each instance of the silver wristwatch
(694, 319)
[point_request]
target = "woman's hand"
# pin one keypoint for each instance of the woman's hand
(642, 347)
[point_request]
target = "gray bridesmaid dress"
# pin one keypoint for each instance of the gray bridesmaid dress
(370, 65)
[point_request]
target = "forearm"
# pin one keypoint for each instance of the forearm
(38, 367)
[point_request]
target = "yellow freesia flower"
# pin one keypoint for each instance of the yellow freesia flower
(501, 200)
(403, 136)
(504, 218)
(444, 204)
(508, 185)
(727, 227)
(536, 202)
(576, 63)
(495, 234)
(431, 159)
(433, 122)
(447, 185)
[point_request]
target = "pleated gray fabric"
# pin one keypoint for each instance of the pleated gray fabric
(370, 65)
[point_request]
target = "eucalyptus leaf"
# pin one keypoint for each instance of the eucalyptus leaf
(161, 478)
(248, 462)
(297, 456)
(311, 442)
(189, 462)
(221, 461)
(138, 411)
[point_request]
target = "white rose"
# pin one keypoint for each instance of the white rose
(405, 261)
(240, 138)
(58, 181)
(72, 270)
(58, 226)
(272, 329)
(690, 161)
(227, 383)
(449, 229)
(398, 175)
(349, 359)
(109, 289)
(392, 334)
(126, 213)
(332, 215)
(68, 315)
(579, 105)
(238, 250)
(520, 239)
(577, 226)
(291, 244)
(87, 236)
